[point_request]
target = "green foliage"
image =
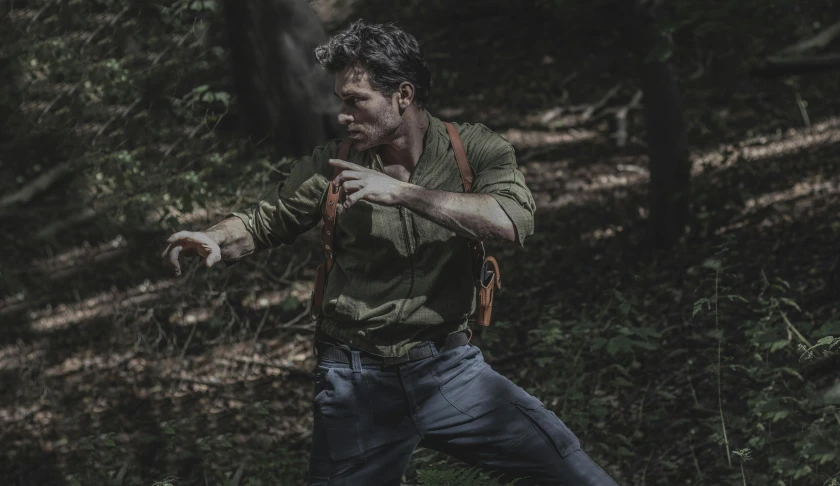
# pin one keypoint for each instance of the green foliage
(825, 347)
(778, 403)
(142, 96)
(456, 476)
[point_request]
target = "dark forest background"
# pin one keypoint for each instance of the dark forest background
(677, 306)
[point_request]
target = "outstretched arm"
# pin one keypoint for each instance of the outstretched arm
(265, 225)
(227, 240)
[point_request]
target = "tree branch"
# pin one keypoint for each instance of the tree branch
(39, 185)
(778, 66)
(818, 41)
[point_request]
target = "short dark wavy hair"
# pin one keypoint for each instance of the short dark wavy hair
(388, 54)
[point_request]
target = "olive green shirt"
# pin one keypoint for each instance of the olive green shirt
(399, 279)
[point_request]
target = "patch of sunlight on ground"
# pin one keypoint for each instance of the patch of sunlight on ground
(804, 191)
(531, 139)
(810, 187)
(11, 302)
(299, 291)
(820, 134)
(83, 361)
(296, 294)
(35, 417)
(538, 173)
(102, 304)
(14, 356)
(548, 177)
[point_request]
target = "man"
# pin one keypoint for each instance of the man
(394, 365)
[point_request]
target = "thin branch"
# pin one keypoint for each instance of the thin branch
(39, 185)
(777, 66)
(55, 100)
(802, 109)
(591, 109)
(817, 41)
(299, 317)
(621, 119)
(238, 475)
(122, 115)
(75, 218)
(93, 34)
(795, 330)
(719, 370)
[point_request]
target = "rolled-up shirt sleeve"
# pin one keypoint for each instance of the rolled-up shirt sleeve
(497, 174)
(297, 206)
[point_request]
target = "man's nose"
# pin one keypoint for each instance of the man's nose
(344, 119)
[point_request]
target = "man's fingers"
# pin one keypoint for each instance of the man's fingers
(181, 235)
(214, 257)
(173, 260)
(352, 186)
(355, 197)
(190, 243)
(346, 175)
(341, 164)
(165, 252)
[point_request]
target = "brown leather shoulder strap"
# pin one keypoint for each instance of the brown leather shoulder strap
(460, 156)
(344, 149)
(331, 206)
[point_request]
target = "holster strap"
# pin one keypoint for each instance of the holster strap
(460, 156)
(485, 291)
(328, 233)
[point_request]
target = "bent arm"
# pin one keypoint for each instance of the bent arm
(475, 216)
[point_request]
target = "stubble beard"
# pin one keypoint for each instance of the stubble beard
(380, 133)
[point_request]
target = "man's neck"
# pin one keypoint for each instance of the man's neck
(405, 149)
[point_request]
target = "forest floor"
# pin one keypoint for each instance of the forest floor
(667, 365)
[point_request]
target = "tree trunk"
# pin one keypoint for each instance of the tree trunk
(669, 192)
(285, 95)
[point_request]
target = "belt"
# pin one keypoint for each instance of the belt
(341, 353)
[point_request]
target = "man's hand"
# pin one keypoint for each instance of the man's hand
(362, 183)
(190, 243)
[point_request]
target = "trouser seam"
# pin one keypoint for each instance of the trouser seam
(412, 404)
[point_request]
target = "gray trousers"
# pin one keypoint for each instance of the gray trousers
(369, 420)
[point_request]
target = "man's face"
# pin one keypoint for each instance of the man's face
(371, 118)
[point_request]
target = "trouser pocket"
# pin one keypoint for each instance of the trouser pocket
(468, 383)
(549, 426)
(341, 417)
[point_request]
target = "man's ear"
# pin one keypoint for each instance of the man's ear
(405, 95)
